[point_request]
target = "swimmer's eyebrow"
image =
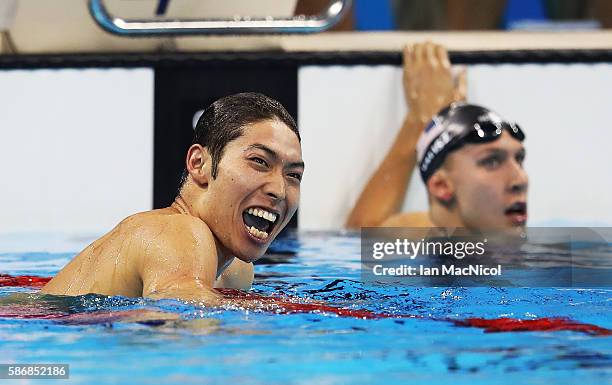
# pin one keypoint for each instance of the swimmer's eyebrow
(272, 154)
(500, 150)
(494, 150)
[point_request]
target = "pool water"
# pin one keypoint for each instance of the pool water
(316, 347)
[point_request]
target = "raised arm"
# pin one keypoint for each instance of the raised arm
(429, 86)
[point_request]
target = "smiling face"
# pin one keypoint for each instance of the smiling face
(489, 184)
(256, 190)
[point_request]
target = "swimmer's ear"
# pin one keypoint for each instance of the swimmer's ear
(441, 188)
(198, 164)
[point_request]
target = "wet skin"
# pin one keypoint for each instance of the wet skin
(484, 181)
(487, 180)
(201, 240)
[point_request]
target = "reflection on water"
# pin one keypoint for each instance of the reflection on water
(138, 340)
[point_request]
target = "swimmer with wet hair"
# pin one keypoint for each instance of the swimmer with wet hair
(470, 159)
(240, 188)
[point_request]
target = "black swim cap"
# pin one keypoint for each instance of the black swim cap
(454, 126)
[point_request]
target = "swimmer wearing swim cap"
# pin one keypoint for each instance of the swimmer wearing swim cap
(470, 158)
(240, 188)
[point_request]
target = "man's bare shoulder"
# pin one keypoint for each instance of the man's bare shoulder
(167, 224)
(168, 240)
(155, 241)
(175, 247)
(194, 242)
(418, 219)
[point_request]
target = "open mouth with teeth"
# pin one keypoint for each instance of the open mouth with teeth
(259, 222)
(517, 213)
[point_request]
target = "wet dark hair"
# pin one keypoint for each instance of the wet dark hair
(225, 120)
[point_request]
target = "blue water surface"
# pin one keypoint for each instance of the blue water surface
(250, 347)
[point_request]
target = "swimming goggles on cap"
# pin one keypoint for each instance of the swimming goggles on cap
(488, 132)
(456, 134)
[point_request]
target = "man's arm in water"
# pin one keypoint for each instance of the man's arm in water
(428, 87)
(182, 263)
(238, 275)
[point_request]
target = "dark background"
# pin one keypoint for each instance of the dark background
(180, 92)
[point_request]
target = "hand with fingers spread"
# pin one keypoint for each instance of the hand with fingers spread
(429, 84)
